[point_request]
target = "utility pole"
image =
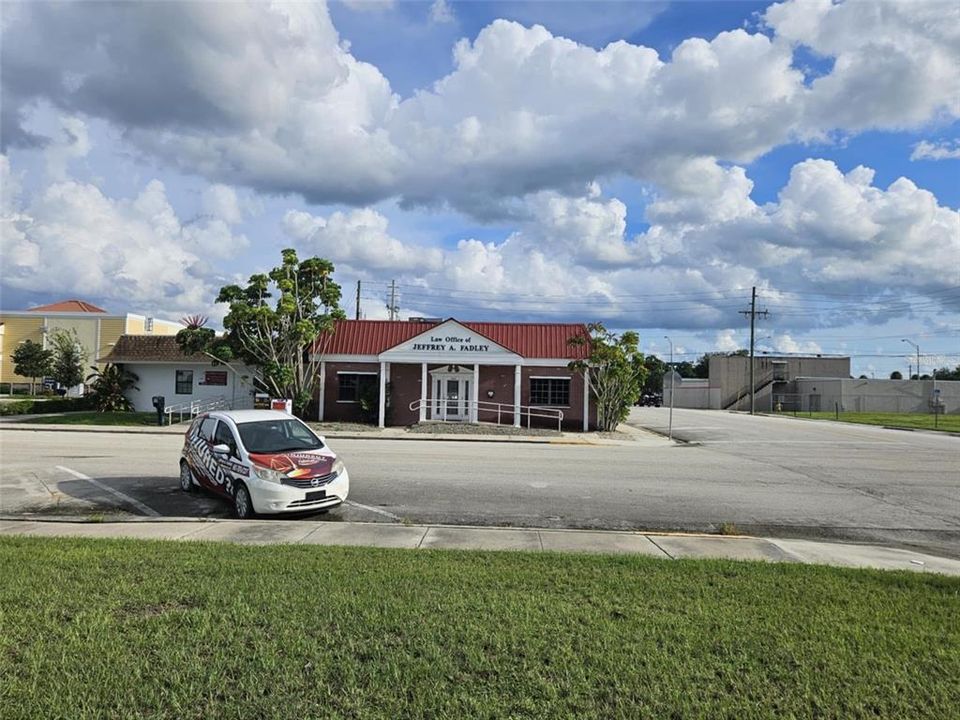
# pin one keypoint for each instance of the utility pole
(358, 299)
(392, 307)
(753, 312)
(672, 375)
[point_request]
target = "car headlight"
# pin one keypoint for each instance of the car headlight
(338, 467)
(269, 475)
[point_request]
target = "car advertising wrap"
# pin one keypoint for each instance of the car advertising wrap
(205, 464)
(296, 465)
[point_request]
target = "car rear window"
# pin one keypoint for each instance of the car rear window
(274, 436)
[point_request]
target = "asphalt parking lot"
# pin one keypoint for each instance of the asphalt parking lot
(768, 476)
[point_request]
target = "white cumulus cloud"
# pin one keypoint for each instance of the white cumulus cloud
(945, 150)
(136, 252)
(269, 96)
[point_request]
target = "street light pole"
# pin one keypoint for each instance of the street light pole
(936, 404)
(672, 375)
(910, 342)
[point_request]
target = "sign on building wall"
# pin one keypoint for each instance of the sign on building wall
(447, 341)
(452, 344)
(214, 377)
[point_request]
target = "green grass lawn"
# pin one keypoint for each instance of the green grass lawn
(125, 629)
(98, 418)
(947, 423)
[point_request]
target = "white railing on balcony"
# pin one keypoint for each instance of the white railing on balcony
(472, 409)
(191, 408)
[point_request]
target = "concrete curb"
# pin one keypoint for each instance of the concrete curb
(665, 546)
(406, 436)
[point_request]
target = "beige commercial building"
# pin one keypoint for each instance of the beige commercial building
(97, 330)
(728, 387)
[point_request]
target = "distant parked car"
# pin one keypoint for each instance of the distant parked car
(651, 400)
(263, 461)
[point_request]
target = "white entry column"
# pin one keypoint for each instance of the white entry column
(475, 394)
(516, 396)
(423, 391)
(383, 394)
(323, 389)
(586, 399)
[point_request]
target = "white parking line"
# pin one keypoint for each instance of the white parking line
(126, 498)
(372, 509)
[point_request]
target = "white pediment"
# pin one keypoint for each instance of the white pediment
(449, 342)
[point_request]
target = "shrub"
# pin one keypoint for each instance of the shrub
(110, 386)
(31, 407)
(17, 407)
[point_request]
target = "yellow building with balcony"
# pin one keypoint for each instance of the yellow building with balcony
(97, 330)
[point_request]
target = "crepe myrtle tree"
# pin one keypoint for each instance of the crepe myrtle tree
(31, 360)
(69, 358)
(617, 372)
(273, 324)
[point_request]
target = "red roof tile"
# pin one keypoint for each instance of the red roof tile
(528, 340)
(68, 306)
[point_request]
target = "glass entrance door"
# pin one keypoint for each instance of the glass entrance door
(454, 404)
(451, 399)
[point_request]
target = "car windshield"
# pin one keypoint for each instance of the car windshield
(274, 436)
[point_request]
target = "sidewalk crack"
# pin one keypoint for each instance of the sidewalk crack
(422, 538)
(648, 537)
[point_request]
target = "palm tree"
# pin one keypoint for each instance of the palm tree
(110, 387)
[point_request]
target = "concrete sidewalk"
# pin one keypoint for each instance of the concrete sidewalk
(265, 532)
(632, 435)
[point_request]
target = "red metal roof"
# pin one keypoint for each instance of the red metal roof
(528, 340)
(69, 306)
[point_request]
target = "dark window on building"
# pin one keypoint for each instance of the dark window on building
(354, 385)
(184, 382)
(550, 391)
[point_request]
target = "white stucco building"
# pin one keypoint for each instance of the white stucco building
(162, 369)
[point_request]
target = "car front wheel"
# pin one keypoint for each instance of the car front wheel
(186, 477)
(242, 505)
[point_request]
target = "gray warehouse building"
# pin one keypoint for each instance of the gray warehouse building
(728, 387)
(805, 383)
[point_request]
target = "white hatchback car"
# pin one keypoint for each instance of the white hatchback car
(264, 461)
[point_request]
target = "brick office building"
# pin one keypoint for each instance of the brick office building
(445, 370)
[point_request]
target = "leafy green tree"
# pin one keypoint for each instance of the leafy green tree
(701, 368)
(195, 336)
(32, 361)
(896, 375)
(946, 373)
(109, 387)
(617, 372)
(685, 369)
(653, 380)
(278, 338)
(69, 358)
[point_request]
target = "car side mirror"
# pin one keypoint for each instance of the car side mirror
(221, 449)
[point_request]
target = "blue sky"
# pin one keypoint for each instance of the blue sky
(642, 164)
